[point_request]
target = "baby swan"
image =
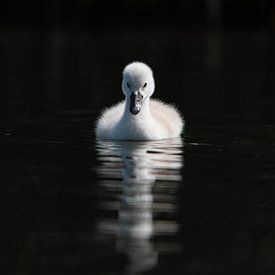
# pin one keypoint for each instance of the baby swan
(138, 117)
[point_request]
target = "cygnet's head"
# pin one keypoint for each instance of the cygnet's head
(137, 85)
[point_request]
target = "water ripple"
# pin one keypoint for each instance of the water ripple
(140, 182)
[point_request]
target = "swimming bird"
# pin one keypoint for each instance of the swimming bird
(139, 117)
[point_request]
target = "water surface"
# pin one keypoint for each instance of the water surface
(140, 182)
(200, 204)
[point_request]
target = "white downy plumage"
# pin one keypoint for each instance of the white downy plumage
(138, 117)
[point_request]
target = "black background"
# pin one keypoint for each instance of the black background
(61, 63)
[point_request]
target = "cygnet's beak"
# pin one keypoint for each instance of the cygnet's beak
(135, 103)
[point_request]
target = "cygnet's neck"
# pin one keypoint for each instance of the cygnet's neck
(144, 112)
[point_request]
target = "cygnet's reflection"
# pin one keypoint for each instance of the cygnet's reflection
(139, 165)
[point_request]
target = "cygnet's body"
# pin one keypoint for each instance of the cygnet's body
(138, 117)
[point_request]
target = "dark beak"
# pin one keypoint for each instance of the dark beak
(135, 103)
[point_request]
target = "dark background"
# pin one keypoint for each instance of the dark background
(208, 52)
(135, 13)
(61, 63)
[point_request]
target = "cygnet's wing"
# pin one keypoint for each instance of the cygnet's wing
(107, 120)
(168, 116)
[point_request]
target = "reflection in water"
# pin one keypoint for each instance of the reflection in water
(138, 165)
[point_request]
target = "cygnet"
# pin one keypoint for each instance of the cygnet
(139, 117)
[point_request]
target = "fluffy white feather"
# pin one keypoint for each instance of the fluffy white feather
(138, 117)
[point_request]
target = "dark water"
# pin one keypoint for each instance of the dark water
(200, 204)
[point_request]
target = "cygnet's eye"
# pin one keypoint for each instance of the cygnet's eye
(128, 85)
(145, 84)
